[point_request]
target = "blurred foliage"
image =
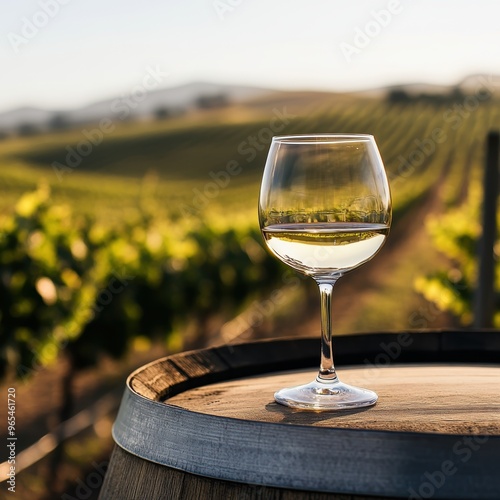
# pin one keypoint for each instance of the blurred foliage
(456, 234)
(121, 272)
(70, 283)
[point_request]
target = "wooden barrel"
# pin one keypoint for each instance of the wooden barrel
(204, 425)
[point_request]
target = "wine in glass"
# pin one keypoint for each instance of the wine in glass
(325, 209)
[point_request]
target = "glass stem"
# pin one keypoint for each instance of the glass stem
(327, 372)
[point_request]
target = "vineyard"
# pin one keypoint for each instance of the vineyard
(110, 242)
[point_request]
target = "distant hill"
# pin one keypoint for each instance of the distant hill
(467, 85)
(182, 98)
(174, 99)
(20, 116)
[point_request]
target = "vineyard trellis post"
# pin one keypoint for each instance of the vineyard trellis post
(485, 292)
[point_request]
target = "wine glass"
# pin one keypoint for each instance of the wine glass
(325, 209)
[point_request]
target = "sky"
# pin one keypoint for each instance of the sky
(63, 54)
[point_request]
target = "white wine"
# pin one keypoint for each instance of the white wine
(325, 248)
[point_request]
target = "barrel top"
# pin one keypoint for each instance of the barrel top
(447, 399)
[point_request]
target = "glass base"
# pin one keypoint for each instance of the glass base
(319, 396)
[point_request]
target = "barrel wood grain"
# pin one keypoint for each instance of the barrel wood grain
(447, 399)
